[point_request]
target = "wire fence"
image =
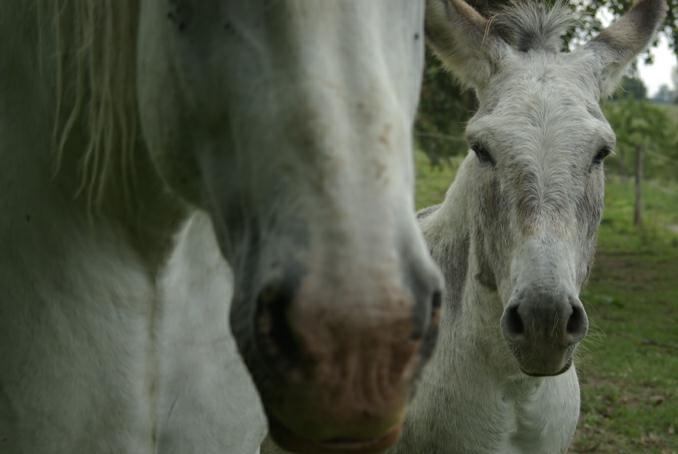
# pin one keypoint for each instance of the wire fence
(443, 137)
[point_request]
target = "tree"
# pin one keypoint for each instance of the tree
(639, 123)
(631, 87)
(645, 140)
(664, 94)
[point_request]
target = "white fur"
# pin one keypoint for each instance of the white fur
(113, 339)
(113, 317)
(206, 400)
(290, 124)
(473, 398)
(102, 354)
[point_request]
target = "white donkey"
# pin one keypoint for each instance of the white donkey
(274, 134)
(515, 235)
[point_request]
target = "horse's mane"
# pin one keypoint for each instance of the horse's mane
(95, 43)
(531, 24)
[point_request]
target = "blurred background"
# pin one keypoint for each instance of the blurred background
(628, 366)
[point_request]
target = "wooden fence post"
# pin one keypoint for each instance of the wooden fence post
(638, 208)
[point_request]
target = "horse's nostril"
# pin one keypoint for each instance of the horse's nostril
(577, 324)
(273, 326)
(425, 316)
(436, 301)
(513, 322)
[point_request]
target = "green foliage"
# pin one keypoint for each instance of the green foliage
(639, 123)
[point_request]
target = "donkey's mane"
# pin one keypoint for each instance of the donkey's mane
(95, 46)
(531, 24)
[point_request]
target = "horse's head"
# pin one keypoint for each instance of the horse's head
(540, 139)
(290, 124)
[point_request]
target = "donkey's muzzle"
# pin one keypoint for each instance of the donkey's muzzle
(542, 329)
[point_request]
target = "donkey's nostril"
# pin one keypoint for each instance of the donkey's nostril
(512, 322)
(273, 327)
(577, 324)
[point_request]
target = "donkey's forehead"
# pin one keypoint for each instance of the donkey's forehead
(547, 127)
(566, 78)
(524, 133)
(538, 92)
(540, 111)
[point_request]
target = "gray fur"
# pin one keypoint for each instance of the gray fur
(426, 212)
(528, 25)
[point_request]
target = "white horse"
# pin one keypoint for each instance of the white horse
(515, 235)
(143, 142)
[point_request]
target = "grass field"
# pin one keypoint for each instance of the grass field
(628, 364)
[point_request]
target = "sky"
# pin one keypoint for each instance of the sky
(659, 72)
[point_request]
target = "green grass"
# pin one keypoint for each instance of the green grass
(628, 364)
(432, 182)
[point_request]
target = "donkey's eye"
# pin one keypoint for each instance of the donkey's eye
(601, 155)
(483, 155)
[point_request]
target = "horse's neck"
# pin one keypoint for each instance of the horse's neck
(146, 219)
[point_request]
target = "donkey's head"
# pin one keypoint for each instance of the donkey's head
(539, 139)
(290, 123)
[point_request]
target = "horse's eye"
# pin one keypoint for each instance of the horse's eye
(601, 155)
(483, 155)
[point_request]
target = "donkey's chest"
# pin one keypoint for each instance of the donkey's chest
(541, 423)
(528, 418)
(479, 416)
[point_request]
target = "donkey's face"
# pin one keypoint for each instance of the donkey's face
(290, 123)
(539, 139)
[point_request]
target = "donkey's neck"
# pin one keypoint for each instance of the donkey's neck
(470, 327)
(447, 234)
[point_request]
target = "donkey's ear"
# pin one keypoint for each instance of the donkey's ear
(619, 44)
(460, 36)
